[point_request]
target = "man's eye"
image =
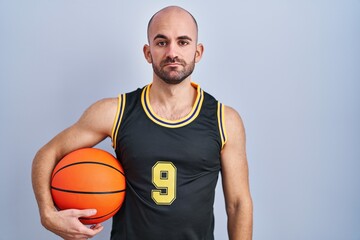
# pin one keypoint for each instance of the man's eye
(183, 43)
(161, 44)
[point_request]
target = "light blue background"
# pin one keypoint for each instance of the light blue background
(291, 68)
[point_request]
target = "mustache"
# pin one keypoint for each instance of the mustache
(172, 60)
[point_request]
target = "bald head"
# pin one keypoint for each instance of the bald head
(171, 12)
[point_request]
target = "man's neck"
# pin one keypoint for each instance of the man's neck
(172, 101)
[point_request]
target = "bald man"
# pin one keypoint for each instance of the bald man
(172, 139)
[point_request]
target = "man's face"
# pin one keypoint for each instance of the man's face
(172, 49)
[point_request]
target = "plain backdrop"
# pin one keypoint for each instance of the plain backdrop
(290, 68)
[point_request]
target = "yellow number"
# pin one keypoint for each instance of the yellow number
(164, 179)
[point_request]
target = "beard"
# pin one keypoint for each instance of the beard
(171, 75)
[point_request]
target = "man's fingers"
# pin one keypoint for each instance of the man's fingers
(96, 226)
(82, 213)
(93, 230)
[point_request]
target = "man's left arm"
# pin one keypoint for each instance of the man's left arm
(235, 179)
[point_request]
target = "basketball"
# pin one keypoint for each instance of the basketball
(89, 178)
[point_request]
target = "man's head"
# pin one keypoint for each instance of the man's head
(179, 9)
(172, 44)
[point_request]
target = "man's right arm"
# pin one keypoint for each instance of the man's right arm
(93, 126)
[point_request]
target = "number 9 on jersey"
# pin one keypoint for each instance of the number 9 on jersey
(164, 180)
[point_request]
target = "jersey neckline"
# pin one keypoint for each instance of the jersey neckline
(191, 116)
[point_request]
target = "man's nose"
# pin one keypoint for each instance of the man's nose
(172, 51)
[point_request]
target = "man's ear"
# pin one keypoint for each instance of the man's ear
(199, 52)
(147, 53)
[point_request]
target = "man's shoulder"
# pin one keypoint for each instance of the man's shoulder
(112, 104)
(105, 103)
(102, 109)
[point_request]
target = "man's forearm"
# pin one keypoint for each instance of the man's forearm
(240, 221)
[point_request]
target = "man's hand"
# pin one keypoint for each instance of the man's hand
(66, 224)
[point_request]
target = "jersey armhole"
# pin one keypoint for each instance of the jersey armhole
(118, 118)
(221, 123)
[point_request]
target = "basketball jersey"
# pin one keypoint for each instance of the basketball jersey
(171, 168)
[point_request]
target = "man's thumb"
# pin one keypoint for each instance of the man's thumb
(87, 212)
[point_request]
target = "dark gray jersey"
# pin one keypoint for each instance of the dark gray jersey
(171, 169)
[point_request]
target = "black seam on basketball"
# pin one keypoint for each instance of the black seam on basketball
(83, 192)
(88, 162)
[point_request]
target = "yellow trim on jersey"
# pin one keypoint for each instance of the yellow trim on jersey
(221, 122)
(145, 101)
(118, 118)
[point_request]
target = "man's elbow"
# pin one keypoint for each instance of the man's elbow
(241, 206)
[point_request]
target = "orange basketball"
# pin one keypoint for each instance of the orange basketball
(89, 178)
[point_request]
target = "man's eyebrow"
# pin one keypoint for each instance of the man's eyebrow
(162, 36)
(185, 38)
